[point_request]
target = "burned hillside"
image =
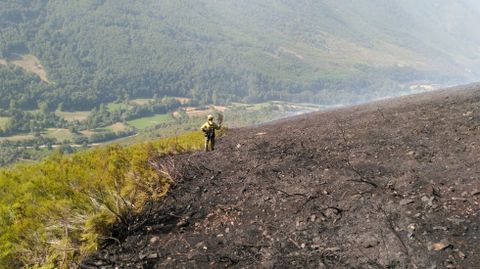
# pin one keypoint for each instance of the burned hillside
(390, 184)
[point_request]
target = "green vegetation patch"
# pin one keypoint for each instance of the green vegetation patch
(60, 134)
(112, 106)
(117, 127)
(19, 137)
(73, 116)
(146, 122)
(141, 101)
(117, 106)
(55, 212)
(4, 122)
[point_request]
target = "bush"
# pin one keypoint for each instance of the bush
(57, 211)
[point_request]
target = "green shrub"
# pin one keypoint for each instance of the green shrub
(54, 212)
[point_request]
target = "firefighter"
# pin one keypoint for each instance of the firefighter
(209, 131)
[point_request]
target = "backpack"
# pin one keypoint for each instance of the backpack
(210, 131)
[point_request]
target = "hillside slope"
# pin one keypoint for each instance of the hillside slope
(391, 184)
(97, 51)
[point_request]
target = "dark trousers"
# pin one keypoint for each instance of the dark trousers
(209, 142)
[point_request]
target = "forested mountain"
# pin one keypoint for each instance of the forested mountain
(97, 51)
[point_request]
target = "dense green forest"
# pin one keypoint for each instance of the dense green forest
(99, 51)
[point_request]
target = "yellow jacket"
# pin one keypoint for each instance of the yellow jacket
(209, 126)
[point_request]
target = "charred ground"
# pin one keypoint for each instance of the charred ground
(391, 184)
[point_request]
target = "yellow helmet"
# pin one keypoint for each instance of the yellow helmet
(210, 117)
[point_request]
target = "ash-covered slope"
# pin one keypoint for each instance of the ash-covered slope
(392, 184)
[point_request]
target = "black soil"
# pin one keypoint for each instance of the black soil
(391, 184)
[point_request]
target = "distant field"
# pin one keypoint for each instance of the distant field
(146, 122)
(3, 62)
(182, 100)
(195, 112)
(254, 107)
(88, 132)
(3, 121)
(72, 116)
(32, 64)
(117, 127)
(117, 106)
(19, 137)
(59, 134)
(140, 101)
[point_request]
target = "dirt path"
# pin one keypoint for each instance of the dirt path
(392, 184)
